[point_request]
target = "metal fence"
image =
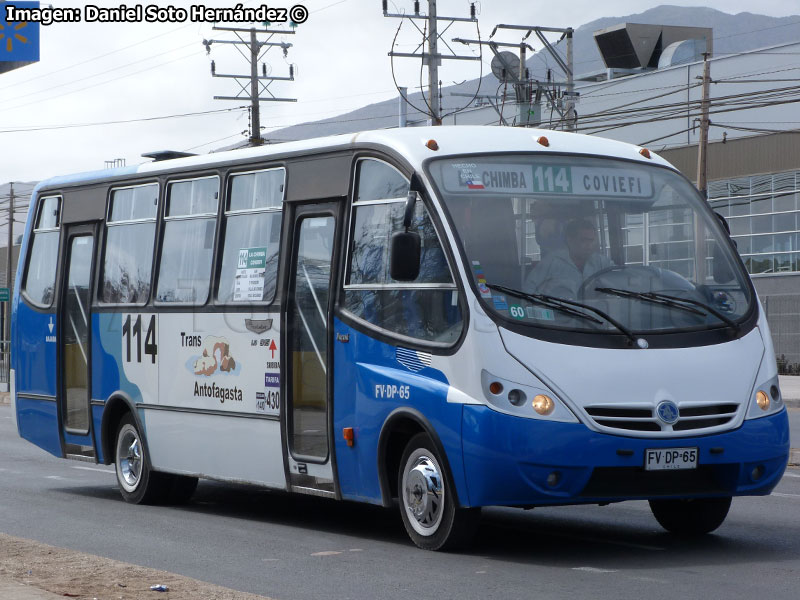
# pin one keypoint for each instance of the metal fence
(783, 316)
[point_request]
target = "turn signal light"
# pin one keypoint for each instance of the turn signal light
(543, 405)
(349, 436)
(762, 400)
(496, 388)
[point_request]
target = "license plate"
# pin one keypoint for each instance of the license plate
(660, 459)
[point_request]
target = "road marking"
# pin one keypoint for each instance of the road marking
(356, 550)
(594, 570)
(94, 469)
(791, 475)
(326, 553)
(56, 477)
(786, 495)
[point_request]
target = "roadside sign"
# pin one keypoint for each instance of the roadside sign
(5, 294)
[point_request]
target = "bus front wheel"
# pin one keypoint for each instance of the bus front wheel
(427, 502)
(691, 517)
(138, 483)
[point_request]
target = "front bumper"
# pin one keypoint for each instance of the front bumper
(510, 461)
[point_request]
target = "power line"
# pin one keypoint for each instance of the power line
(123, 121)
(101, 83)
(111, 70)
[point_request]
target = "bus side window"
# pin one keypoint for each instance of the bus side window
(129, 241)
(252, 233)
(187, 250)
(40, 277)
(425, 309)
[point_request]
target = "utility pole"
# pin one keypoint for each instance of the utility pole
(253, 85)
(433, 64)
(570, 91)
(520, 79)
(702, 147)
(568, 114)
(402, 107)
(432, 58)
(9, 250)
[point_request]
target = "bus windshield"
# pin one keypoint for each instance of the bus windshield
(591, 244)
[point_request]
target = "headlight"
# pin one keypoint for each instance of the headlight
(766, 399)
(524, 400)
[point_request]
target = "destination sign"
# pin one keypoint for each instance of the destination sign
(528, 179)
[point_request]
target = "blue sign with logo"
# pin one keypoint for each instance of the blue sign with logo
(667, 411)
(19, 40)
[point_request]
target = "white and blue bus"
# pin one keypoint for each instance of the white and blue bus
(449, 318)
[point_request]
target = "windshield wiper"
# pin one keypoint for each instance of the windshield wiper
(565, 306)
(672, 301)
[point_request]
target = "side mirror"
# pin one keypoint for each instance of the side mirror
(404, 257)
(722, 271)
(406, 247)
(724, 222)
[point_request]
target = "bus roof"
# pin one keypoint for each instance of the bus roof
(408, 142)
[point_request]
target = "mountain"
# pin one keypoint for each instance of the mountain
(732, 34)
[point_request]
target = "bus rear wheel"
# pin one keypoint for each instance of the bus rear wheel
(691, 517)
(427, 500)
(138, 483)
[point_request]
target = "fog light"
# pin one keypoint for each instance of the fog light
(516, 397)
(543, 405)
(496, 387)
(773, 391)
(757, 473)
(554, 479)
(762, 400)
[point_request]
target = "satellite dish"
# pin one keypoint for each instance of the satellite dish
(505, 66)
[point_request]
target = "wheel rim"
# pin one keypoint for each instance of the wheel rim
(423, 493)
(129, 459)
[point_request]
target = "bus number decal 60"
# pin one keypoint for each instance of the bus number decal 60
(135, 331)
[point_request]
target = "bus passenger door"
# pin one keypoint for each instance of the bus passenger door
(74, 343)
(308, 411)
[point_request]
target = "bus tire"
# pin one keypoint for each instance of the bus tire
(691, 517)
(138, 483)
(427, 500)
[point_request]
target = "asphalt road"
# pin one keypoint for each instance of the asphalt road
(296, 547)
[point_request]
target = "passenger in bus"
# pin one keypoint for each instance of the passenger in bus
(562, 272)
(548, 228)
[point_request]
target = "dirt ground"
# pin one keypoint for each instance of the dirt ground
(85, 577)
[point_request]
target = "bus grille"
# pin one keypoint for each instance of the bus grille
(627, 482)
(643, 418)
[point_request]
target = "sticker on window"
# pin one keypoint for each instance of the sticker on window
(250, 275)
(540, 314)
(481, 280)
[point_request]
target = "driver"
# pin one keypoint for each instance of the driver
(562, 271)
